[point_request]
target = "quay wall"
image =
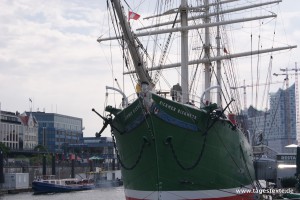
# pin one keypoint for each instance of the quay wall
(36, 171)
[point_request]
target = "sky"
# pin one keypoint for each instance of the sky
(49, 54)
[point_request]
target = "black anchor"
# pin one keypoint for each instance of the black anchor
(106, 121)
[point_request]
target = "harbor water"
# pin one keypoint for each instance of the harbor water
(116, 193)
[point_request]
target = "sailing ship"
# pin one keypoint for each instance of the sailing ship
(172, 145)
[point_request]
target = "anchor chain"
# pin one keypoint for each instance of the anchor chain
(139, 156)
(168, 141)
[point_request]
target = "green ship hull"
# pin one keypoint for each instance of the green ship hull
(174, 151)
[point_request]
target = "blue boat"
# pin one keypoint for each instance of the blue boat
(50, 185)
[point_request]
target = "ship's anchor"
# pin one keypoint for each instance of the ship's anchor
(106, 121)
(216, 116)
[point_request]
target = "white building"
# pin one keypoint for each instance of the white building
(30, 131)
(18, 131)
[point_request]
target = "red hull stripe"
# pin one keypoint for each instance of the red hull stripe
(224, 194)
(248, 196)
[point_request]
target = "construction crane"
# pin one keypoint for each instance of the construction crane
(245, 86)
(287, 97)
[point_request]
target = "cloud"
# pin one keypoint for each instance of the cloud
(48, 52)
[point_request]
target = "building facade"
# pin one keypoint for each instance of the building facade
(18, 132)
(29, 133)
(283, 120)
(277, 127)
(10, 129)
(259, 125)
(96, 149)
(92, 146)
(56, 130)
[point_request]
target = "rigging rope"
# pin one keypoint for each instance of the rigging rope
(163, 55)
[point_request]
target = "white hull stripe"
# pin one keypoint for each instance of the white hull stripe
(179, 195)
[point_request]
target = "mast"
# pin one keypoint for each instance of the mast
(218, 38)
(139, 64)
(1, 133)
(213, 59)
(198, 26)
(203, 15)
(184, 52)
(207, 51)
(297, 102)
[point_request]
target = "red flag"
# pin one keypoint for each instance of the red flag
(225, 50)
(132, 15)
(72, 156)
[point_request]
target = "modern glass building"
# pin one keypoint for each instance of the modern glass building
(277, 126)
(56, 130)
(282, 119)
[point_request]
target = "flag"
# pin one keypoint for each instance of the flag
(72, 156)
(133, 15)
(225, 50)
(30, 100)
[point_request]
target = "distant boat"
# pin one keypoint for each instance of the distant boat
(50, 185)
(104, 179)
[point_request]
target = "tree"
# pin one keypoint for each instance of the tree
(40, 148)
(5, 150)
